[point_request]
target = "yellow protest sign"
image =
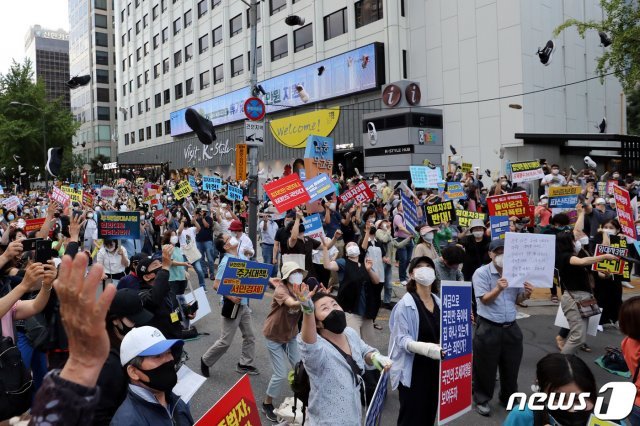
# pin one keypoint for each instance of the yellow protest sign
(73, 194)
(594, 421)
(182, 190)
(293, 131)
(98, 244)
(466, 167)
(563, 191)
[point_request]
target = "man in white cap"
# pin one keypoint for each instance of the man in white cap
(598, 216)
(151, 368)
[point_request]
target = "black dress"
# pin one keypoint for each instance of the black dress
(419, 403)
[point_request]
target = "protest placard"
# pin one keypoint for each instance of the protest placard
(499, 225)
(514, 204)
(119, 225)
(313, 227)
(211, 183)
(74, 194)
(564, 197)
(1, 190)
(619, 241)
(203, 303)
(59, 196)
(12, 202)
(238, 404)
(244, 278)
(592, 324)
(241, 161)
(625, 215)
(87, 199)
(33, 224)
(374, 412)
(602, 189)
(410, 213)
(193, 184)
(318, 156)
(108, 192)
(286, 193)
(610, 184)
(466, 167)
(529, 258)
(526, 171)
(182, 190)
(455, 338)
(234, 193)
(465, 217)
(359, 193)
(440, 213)
(615, 267)
(159, 218)
(319, 186)
(425, 177)
(454, 191)
(188, 383)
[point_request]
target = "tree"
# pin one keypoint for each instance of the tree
(71, 164)
(622, 25)
(21, 127)
(97, 162)
(633, 112)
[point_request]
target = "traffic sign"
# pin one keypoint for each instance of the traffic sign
(254, 109)
(254, 133)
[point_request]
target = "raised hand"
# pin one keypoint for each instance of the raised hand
(302, 293)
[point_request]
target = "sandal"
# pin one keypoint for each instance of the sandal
(377, 326)
(523, 305)
(554, 299)
(585, 347)
(560, 342)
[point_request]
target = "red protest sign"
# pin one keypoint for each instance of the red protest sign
(516, 204)
(159, 217)
(33, 224)
(87, 199)
(236, 407)
(59, 196)
(360, 193)
(625, 212)
(287, 192)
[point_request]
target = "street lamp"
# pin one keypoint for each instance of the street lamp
(44, 137)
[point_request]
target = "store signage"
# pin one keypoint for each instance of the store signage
(345, 74)
(294, 131)
(110, 166)
(199, 152)
(389, 150)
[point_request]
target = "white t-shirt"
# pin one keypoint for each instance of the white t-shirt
(188, 236)
(549, 179)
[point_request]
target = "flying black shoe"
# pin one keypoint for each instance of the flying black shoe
(546, 53)
(605, 40)
(54, 161)
(203, 127)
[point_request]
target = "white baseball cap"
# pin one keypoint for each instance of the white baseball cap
(144, 341)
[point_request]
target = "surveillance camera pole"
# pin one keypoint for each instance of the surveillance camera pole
(253, 150)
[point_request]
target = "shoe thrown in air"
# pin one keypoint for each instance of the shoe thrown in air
(54, 161)
(545, 54)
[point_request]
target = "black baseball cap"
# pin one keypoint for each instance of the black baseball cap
(126, 303)
(143, 266)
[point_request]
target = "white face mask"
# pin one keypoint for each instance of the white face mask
(332, 206)
(498, 260)
(295, 278)
(584, 241)
(98, 208)
(89, 215)
(424, 276)
(375, 180)
(555, 172)
(478, 234)
(427, 237)
(233, 242)
(577, 246)
(174, 240)
(544, 202)
(384, 227)
(353, 251)
(610, 231)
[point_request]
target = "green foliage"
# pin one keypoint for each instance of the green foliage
(97, 162)
(633, 112)
(622, 24)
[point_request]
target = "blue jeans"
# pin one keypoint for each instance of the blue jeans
(197, 265)
(404, 256)
(267, 257)
(388, 286)
(208, 250)
(279, 353)
(33, 359)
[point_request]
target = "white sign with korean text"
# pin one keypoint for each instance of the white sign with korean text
(254, 133)
(529, 258)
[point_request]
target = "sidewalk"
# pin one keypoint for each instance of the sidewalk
(542, 296)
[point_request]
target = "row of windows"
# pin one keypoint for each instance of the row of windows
(130, 138)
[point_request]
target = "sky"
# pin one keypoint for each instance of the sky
(16, 16)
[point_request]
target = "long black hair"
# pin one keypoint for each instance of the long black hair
(565, 243)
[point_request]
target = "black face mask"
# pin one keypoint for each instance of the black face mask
(124, 329)
(571, 418)
(163, 377)
(335, 322)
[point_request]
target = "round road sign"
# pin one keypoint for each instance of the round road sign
(254, 109)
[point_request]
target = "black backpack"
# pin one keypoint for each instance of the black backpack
(301, 387)
(16, 383)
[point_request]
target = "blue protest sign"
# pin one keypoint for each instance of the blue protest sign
(313, 226)
(453, 191)
(425, 177)
(192, 182)
(499, 226)
(564, 202)
(410, 213)
(319, 186)
(318, 156)
(234, 193)
(211, 183)
(119, 225)
(244, 278)
(374, 413)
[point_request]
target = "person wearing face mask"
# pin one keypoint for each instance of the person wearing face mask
(245, 246)
(125, 313)
(187, 239)
(427, 246)
(299, 244)
(383, 236)
(178, 270)
(448, 265)
(334, 357)
(282, 237)
(414, 345)
(90, 231)
(332, 217)
(608, 287)
(565, 375)
(553, 179)
(114, 258)
(597, 216)
(497, 340)
(280, 330)
(151, 369)
(542, 212)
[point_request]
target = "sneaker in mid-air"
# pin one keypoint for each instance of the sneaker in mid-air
(54, 161)
(546, 53)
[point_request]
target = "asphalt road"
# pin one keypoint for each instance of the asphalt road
(538, 331)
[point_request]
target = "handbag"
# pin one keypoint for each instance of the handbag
(229, 309)
(614, 360)
(16, 383)
(37, 332)
(588, 307)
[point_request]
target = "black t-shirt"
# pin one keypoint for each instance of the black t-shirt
(572, 278)
(282, 236)
(205, 234)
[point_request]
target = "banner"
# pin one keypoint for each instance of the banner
(465, 217)
(440, 213)
(410, 214)
(318, 156)
(74, 195)
(87, 199)
(241, 161)
(234, 193)
(615, 267)
(119, 225)
(286, 193)
(13, 202)
(515, 204)
(564, 197)
(108, 192)
(244, 278)
(359, 193)
(294, 131)
(526, 171)
(33, 224)
(625, 215)
(313, 227)
(319, 186)
(211, 183)
(58, 196)
(529, 258)
(499, 226)
(182, 189)
(374, 412)
(238, 405)
(455, 338)
(425, 177)
(159, 217)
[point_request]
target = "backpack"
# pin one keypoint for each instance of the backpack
(16, 383)
(300, 385)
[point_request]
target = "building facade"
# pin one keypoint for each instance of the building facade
(172, 55)
(48, 51)
(92, 52)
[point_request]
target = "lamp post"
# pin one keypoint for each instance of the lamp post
(44, 138)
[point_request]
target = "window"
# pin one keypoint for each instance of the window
(129, 9)
(203, 43)
(177, 59)
(124, 39)
(204, 80)
(158, 130)
(139, 107)
(303, 38)
(103, 95)
(202, 8)
(177, 26)
(165, 35)
(101, 21)
(148, 132)
(165, 66)
(235, 25)
(104, 113)
(102, 76)
(156, 41)
(218, 74)
(156, 71)
(126, 138)
(138, 54)
(100, 4)
(404, 64)
(103, 133)
(276, 6)
(236, 66)
(146, 76)
(188, 18)
(102, 39)
(138, 25)
(167, 96)
(155, 12)
(367, 11)
(177, 93)
(124, 89)
(124, 64)
(129, 34)
(129, 61)
(102, 58)
(217, 36)
(189, 86)
(145, 21)
(279, 48)
(141, 135)
(335, 24)
(163, 5)
(258, 17)
(122, 16)
(130, 109)
(215, 3)
(157, 100)
(146, 48)
(133, 138)
(147, 105)
(130, 86)
(137, 3)
(167, 127)
(188, 52)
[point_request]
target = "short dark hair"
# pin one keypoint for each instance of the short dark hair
(629, 317)
(561, 219)
(453, 254)
(555, 166)
(565, 243)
